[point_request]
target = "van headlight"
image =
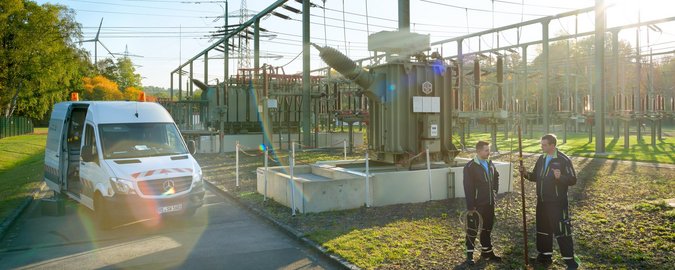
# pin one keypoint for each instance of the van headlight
(197, 179)
(122, 186)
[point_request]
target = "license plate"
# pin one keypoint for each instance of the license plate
(170, 208)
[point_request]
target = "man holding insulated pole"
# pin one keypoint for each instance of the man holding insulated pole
(481, 183)
(553, 174)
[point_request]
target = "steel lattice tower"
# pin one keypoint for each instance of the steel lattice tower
(244, 48)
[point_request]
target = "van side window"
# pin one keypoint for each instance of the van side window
(90, 139)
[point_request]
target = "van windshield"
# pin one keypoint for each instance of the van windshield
(140, 140)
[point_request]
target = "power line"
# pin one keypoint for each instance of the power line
(483, 10)
(134, 13)
(531, 5)
(396, 21)
(136, 6)
(142, 27)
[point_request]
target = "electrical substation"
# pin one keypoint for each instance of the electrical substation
(416, 104)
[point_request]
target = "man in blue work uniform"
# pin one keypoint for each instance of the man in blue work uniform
(553, 174)
(481, 182)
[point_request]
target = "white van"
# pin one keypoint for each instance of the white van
(121, 158)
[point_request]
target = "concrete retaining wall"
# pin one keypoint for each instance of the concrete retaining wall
(323, 187)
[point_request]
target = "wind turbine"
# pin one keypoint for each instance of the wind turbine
(96, 41)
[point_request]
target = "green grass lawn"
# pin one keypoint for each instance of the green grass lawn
(620, 217)
(21, 169)
(620, 221)
(579, 145)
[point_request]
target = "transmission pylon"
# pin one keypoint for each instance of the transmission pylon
(244, 39)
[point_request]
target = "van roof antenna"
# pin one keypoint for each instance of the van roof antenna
(136, 114)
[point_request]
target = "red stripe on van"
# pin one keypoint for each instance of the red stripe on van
(165, 171)
(149, 173)
(178, 169)
(135, 175)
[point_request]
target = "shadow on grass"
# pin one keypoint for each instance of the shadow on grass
(19, 181)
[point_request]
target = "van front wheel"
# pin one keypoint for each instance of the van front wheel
(101, 213)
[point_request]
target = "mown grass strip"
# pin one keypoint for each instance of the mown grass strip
(21, 169)
(579, 145)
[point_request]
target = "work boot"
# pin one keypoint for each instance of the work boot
(490, 256)
(469, 258)
(572, 264)
(542, 260)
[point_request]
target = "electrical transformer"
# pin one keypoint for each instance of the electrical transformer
(410, 105)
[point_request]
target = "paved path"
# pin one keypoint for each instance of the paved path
(221, 235)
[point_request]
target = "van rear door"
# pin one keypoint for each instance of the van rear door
(54, 155)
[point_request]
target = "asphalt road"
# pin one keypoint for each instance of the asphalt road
(222, 235)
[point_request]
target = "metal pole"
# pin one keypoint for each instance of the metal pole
(522, 193)
(524, 95)
(180, 85)
(651, 93)
(266, 171)
(237, 163)
(256, 47)
(367, 181)
(171, 87)
(292, 182)
(344, 149)
(428, 171)
(576, 102)
(460, 91)
(626, 135)
(206, 68)
(190, 84)
(545, 54)
(637, 95)
(226, 74)
(306, 138)
(615, 82)
(600, 91)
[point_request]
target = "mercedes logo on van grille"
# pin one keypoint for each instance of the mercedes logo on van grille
(168, 185)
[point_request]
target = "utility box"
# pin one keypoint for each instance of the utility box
(430, 131)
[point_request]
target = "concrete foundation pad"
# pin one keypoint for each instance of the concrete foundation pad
(340, 185)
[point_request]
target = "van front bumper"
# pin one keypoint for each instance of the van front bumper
(134, 205)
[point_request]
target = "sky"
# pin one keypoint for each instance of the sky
(159, 35)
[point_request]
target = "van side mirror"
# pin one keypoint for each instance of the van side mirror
(192, 147)
(87, 153)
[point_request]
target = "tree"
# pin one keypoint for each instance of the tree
(157, 91)
(39, 60)
(132, 93)
(126, 74)
(108, 68)
(100, 88)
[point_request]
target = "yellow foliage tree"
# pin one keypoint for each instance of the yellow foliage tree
(132, 93)
(100, 88)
